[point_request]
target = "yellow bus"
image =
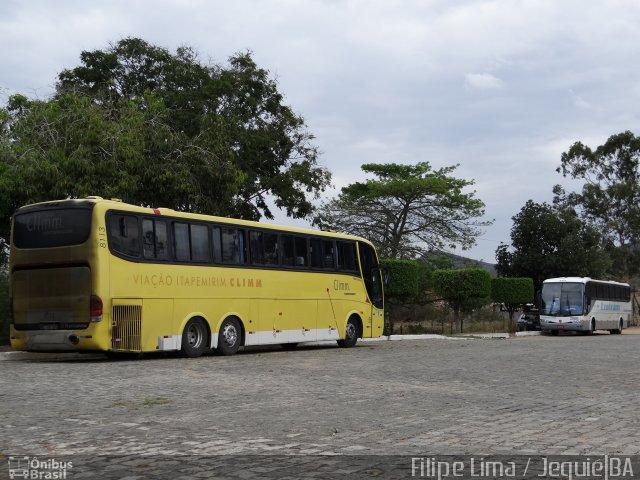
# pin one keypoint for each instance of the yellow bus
(101, 275)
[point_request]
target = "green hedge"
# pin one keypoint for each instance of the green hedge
(460, 286)
(512, 290)
(403, 278)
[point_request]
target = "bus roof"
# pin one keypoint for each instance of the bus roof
(122, 206)
(581, 280)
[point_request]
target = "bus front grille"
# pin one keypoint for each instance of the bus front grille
(126, 328)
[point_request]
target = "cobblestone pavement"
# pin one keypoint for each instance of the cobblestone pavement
(531, 395)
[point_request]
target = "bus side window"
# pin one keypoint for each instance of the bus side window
(288, 252)
(154, 239)
(347, 256)
(256, 247)
(264, 248)
(162, 240)
(200, 251)
(233, 246)
(322, 255)
(316, 253)
(302, 253)
(181, 242)
(148, 239)
(328, 255)
(294, 251)
(270, 244)
(124, 235)
(217, 245)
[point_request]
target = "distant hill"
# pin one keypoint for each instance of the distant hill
(459, 261)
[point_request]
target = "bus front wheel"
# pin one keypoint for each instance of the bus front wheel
(229, 337)
(194, 338)
(350, 334)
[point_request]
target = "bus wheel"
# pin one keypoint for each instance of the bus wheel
(194, 338)
(350, 334)
(592, 327)
(229, 337)
(617, 331)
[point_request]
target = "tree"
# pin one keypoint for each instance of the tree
(610, 197)
(138, 122)
(406, 210)
(512, 292)
(551, 241)
(463, 289)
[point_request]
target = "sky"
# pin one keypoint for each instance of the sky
(499, 87)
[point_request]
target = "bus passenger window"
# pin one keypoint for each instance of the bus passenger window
(322, 253)
(154, 239)
(181, 240)
(316, 253)
(288, 252)
(124, 235)
(302, 255)
(264, 248)
(327, 251)
(256, 247)
(347, 256)
(270, 244)
(217, 245)
(162, 240)
(233, 246)
(148, 239)
(200, 244)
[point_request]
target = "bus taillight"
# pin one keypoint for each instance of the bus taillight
(95, 306)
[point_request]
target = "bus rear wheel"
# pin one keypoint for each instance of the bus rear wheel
(350, 334)
(194, 338)
(617, 331)
(229, 337)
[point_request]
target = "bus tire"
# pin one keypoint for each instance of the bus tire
(229, 337)
(195, 338)
(617, 331)
(592, 327)
(350, 334)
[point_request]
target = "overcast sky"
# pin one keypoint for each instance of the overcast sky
(501, 87)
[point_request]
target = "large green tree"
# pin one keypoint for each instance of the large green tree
(407, 210)
(610, 196)
(551, 241)
(138, 122)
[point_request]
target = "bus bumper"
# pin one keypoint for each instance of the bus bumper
(53, 341)
(562, 324)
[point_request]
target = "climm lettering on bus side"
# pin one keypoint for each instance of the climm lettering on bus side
(160, 280)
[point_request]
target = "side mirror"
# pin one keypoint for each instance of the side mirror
(385, 275)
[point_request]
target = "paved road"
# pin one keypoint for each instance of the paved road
(530, 395)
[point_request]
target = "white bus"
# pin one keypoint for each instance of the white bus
(583, 304)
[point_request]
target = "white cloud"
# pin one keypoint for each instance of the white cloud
(483, 81)
(578, 101)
